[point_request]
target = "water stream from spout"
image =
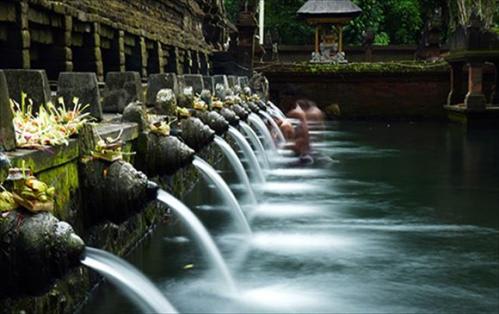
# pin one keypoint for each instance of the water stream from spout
(264, 131)
(256, 143)
(132, 282)
(248, 153)
(237, 165)
(212, 175)
(280, 135)
(276, 110)
(202, 236)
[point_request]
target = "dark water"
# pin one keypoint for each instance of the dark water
(403, 218)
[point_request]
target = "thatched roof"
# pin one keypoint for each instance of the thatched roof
(329, 9)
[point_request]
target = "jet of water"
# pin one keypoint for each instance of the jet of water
(256, 143)
(237, 165)
(212, 175)
(202, 236)
(248, 153)
(135, 285)
(277, 129)
(258, 123)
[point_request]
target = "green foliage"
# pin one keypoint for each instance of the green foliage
(403, 21)
(392, 21)
(372, 18)
(281, 16)
(232, 8)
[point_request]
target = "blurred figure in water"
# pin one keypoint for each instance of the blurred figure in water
(302, 139)
(315, 116)
(287, 129)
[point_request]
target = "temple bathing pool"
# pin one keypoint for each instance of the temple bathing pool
(400, 218)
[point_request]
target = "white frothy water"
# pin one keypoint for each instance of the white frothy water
(237, 165)
(262, 128)
(248, 153)
(202, 236)
(211, 174)
(133, 283)
(256, 143)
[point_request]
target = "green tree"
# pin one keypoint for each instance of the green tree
(392, 21)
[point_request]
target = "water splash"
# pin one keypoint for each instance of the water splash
(202, 236)
(256, 143)
(264, 131)
(212, 175)
(248, 153)
(135, 285)
(237, 165)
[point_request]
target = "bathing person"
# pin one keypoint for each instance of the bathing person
(302, 140)
(313, 114)
(287, 129)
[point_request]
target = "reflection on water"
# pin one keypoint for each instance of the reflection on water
(405, 221)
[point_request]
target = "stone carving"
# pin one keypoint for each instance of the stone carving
(166, 102)
(157, 82)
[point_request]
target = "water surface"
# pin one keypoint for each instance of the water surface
(392, 218)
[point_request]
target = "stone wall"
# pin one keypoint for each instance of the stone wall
(59, 167)
(303, 53)
(147, 36)
(384, 95)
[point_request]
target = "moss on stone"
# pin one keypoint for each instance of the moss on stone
(374, 67)
(65, 180)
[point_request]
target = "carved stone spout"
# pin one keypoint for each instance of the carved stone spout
(195, 133)
(214, 120)
(253, 107)
(162, 155)
(230, 116)
(240, 112)
(114, 191)
(35, 250)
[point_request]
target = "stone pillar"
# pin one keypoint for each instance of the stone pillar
(456, 95)
(494, 99)
(179, 61)
(121, 48)
(188, 63)
(143, 56)
(99, 64)
(475, 99)
(68, 30)
(25, 35)
(7, 135)
(161, 58)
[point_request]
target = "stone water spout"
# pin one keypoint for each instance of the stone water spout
(240, 112)
(252, 106)
(162, 155)
(195, 133)
(114, 190)
(157, 152)
(230, 116)
(214, 120)
(35, 250)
